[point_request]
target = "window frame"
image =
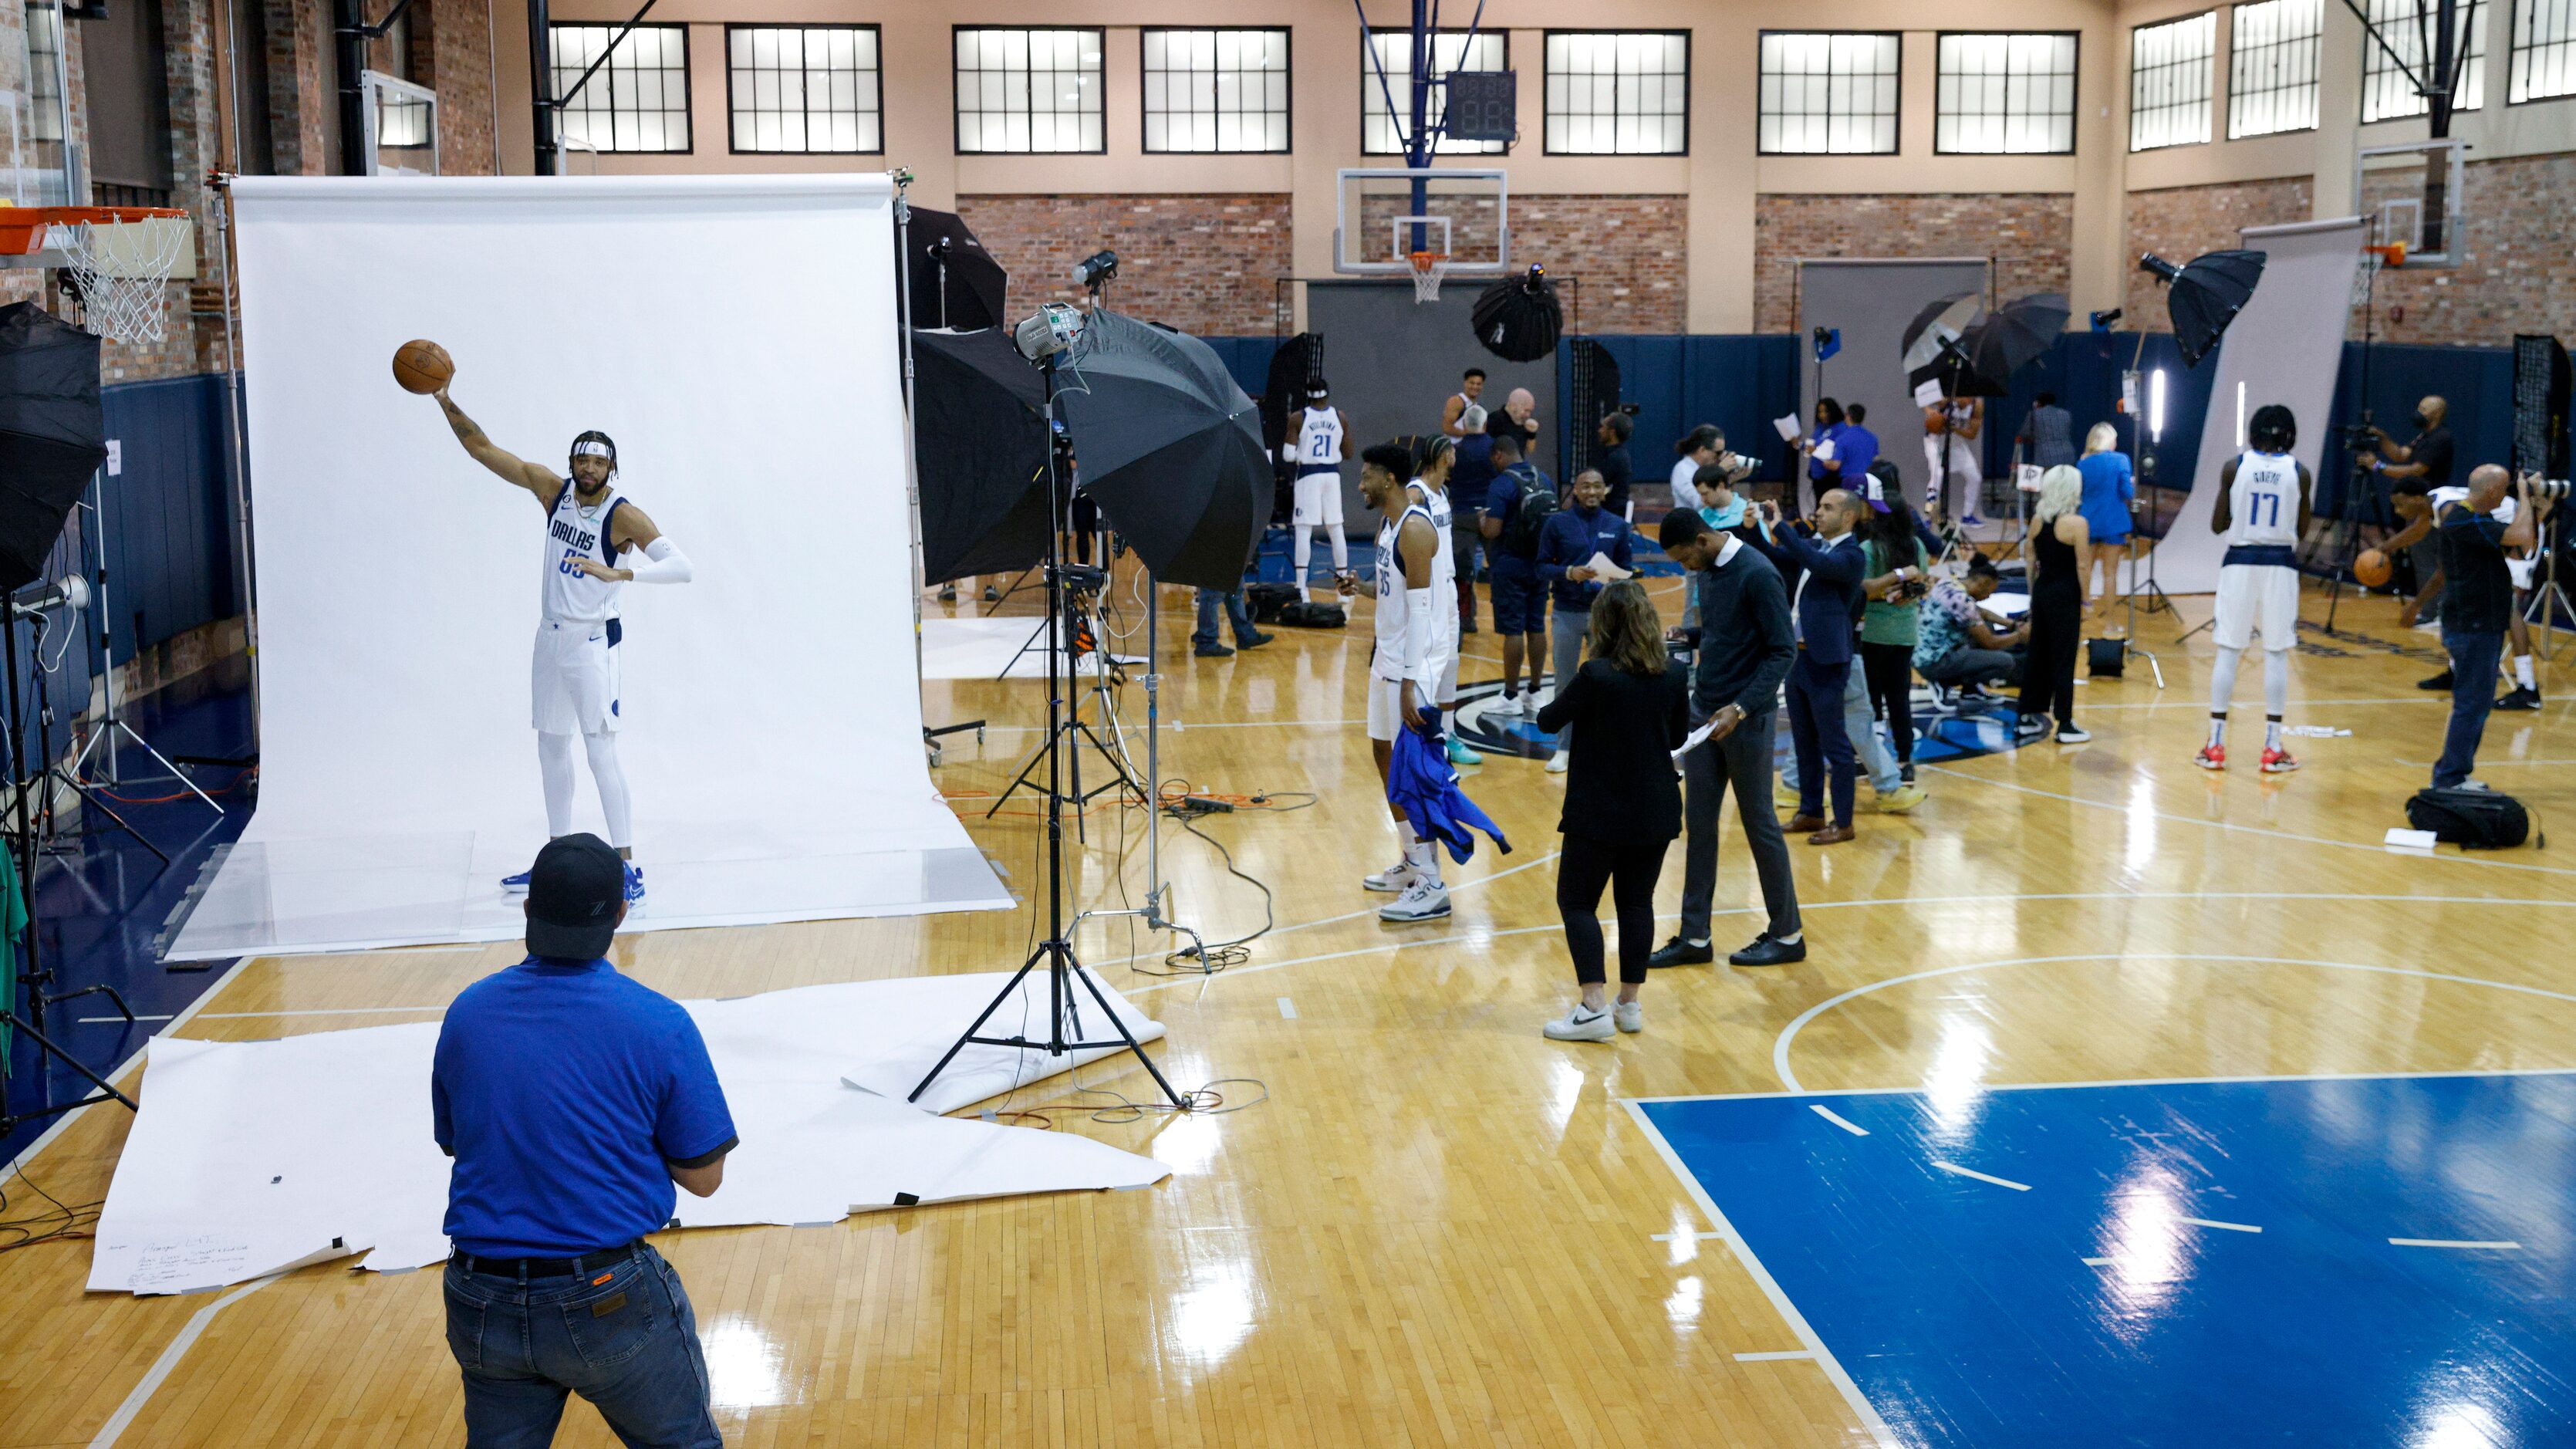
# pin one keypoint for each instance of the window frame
(1897, 146)
(688, 107)
(957, 109)
(734, 148)
(1288, 111)
(2209, 96)
(2074, 95)
(2473, 72)
(2513, 56)
(1546, 112)
(2235, 56)
(1368, 86)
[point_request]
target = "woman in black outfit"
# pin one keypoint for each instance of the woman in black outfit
(2058, 538)
(1623, 800)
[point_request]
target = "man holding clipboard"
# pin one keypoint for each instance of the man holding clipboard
(1580, 549)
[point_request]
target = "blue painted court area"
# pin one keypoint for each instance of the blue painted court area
(2080, 1265)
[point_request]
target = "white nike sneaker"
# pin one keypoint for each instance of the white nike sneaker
(1630, 1015)
(1424, 900)
(1581, 1023)
(1507, 707)
(1396, 879)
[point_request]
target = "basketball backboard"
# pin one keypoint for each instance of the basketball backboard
(1382, 215)
(402, 126)
(2411, 195)
(37, 158)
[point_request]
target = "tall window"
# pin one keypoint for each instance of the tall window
(1391, 55)
(2407, 27)
(2005, 94)
(1828, 91)
(1029, 90)
(1216, 90)
(2544, 50)
(2169, 67)
(1621, 92)
(804, 88)
(2272, 67)
(639, 101)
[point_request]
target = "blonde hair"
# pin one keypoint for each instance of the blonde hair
(2061, 490)
(1626, 630)
(2102, 439)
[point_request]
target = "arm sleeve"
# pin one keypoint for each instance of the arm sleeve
(442, 1120)
(1551, 567)
(663, 563)
(694, 1126)
(1560, 710)
(1769, 602)
(1417, 634)
(1498, 498)
(1834, 565)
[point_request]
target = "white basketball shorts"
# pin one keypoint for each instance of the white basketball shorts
(572, 679)
(1319, 498)
(1385, 707)
(2255, 597)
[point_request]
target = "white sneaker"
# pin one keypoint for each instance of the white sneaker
(1630, 1015)
(1560, 762)
(1394, 880)
(1424, 900)
(1580, 1024)
(1507, 707)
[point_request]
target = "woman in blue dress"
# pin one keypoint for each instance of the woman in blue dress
(2110, 497)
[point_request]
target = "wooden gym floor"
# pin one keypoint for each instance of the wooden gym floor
(1438, 1228)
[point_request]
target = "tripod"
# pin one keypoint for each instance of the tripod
(1063, 968)
(111, 724)
(1065, 590)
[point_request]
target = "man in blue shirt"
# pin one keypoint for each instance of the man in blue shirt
(1565, 550)
(1520, 600)
(572, 1100)
(1855, 449)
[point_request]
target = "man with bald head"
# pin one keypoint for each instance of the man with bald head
(2477, 598)
(2413, 469)
(1822, 565)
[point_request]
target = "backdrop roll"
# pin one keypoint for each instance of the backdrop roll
(1869, 301)
(770, 714)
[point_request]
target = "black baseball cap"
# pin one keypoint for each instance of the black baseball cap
(575, 893)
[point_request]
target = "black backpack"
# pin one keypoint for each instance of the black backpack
(1536, 506)
(2477, 819)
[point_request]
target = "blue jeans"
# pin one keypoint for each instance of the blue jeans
(2473, 687)
(1816, 728)
(1235, 613)
(629, 1345)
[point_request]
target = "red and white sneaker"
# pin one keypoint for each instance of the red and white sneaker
(2278, 762)
(2211, 757)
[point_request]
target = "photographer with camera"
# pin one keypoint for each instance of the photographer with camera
(2406, 473)
(2477, 598)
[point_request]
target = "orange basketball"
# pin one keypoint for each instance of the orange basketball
(421, 365)
(2371, 568)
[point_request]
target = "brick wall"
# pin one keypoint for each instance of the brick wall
(301, 109)
(1204, 264)
(451, 53)
(1625, 252)
(2182, 222)
(2029, 236)
(2517, 273)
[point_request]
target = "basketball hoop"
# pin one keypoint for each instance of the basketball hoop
(117, 260)
(1428, 269)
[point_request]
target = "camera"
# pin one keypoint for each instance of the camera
(2359, 439)
(2552, 490)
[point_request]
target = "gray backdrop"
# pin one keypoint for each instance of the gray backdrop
(1871, 302)
(1393, 362)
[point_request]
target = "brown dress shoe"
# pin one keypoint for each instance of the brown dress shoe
(1831, 835)
(1801, 823)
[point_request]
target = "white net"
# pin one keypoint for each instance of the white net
(1428, 269)
(121, 272)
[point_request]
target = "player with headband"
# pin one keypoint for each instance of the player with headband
(595, 540)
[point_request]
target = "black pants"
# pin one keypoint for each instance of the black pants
(1890, 671)
(2056, 637)
(1629, 867)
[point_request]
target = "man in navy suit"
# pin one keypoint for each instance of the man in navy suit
(1823, 573)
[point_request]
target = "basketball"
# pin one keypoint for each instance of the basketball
(2371, 568)
(421, 365)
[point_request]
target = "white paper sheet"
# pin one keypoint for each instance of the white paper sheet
(1787, 427)
(1603, 568)
(251, 1157)
(1005, 648)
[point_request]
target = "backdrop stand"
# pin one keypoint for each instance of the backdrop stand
(930, 735)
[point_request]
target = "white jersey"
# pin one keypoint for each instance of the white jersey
(1319, 438)
(1387, 660)
(2263, 502)
(575, 531)
(1444, 564)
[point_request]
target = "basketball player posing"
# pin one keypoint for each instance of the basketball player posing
(1401, 667)
(2262, 513)
(573, 676)
(1317, 454)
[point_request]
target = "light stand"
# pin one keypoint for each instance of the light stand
(1155, 887)
(930, 734)
(110, 724)
(2350, 546)
(2157, 598)
(1056, 951)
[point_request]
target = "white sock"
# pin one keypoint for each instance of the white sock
(2522, 674)
(1302, 549)
(2271, 731)
(554, 763)
(1404, 833)
(1341, 546)
(2276, 681)
(610, 776)
(1424, 857)
(1791, 939)
(2217, 728)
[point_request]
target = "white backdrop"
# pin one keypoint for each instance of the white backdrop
(771, 710)
(2285, 348)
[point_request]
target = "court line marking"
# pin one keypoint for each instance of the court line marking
(2099, 1262)
(2215, 1223)
(1773, 1357)
(2373, 846)
(1693, 1237)
(1871, 1421)
(1957, 1170)
(2496, 1246)
(1838, 1119)
(1287, 1008)
(2118, 1082)
(1789, 1034)
(16, 1165)
(169, 1359)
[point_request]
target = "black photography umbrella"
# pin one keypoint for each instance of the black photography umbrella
(2009, 339)
(1518, 319)
(53, 434)
(980, 451)
(2204, 295)
(956, 284)
(1168, 446)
